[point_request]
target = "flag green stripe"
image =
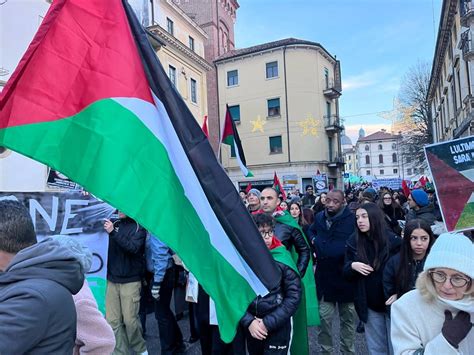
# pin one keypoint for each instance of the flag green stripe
(115, 161)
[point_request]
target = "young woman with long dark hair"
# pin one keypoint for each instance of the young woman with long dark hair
(393, 211)
(368, 250)
(402, 269)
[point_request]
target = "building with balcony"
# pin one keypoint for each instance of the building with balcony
(450, 93)
(378, 155)
(349, 155)
(217, 18)
(283, 97)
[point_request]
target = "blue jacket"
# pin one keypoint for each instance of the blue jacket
(330, 246)
(158, 257)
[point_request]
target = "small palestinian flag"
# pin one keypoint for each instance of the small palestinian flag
(230, 136)
(105, 114)
(278, 187)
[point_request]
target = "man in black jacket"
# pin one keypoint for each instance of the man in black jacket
(289, 236)
(329, 232)
(125, 269)
(37, 312)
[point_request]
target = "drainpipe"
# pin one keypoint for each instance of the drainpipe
(286, 104)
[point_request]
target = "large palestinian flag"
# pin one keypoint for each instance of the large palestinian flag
(90, 99)
(452, 168)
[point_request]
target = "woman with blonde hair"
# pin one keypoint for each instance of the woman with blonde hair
(436, 317)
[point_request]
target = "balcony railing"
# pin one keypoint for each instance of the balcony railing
(466, 12)
(336, 161)
(331, 89)
(466, 45)
(333, 124)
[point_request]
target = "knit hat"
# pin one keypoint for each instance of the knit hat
(255, 192)
(80, 251)
(453, 251)
(420, 197)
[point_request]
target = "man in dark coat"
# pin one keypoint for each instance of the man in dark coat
(420, 207)
(329, 233)
(309, 199)
(125, 270)
(288, 235)
(37, 312)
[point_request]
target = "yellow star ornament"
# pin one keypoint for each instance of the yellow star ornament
(310, 126)
(258, 124)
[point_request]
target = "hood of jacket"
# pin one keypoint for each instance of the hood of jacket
(45, 260)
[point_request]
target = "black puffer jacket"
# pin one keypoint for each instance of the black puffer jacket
(126, 259)
(279, 305)
(292, 237)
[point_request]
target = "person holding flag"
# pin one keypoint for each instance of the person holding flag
(268, 319)
(291, 236)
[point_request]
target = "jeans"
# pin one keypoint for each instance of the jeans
(347, 317)
(377, 333)
(122, 304)
(171, 338)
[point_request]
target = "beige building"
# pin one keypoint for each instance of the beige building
(283, 97)
(451, 84)
(378, 155)
(179, 44)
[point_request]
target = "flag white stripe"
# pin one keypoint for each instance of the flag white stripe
(156, 119)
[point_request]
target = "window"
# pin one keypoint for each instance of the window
(422, 170)
(326, 77)
(235, 112)
(394, 157)
(328, 109)
(415, 170)
(394, 145)
(272, 70)
(409, 171)
(275, 145)
(380, 159)
(408, 159)
(367, 159)
(381, 172)
(367, 172)
(350, 166)
(232, 151)
(172, 75)
(193, 91)
(349, 157)
(395, 171)
(170, 26)
(232, 78)
(380, 147)
(191, 43)
(367, 147)
(273, 107)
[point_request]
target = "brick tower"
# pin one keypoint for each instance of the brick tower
(217, 19)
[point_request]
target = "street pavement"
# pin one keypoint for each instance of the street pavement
(153, 340)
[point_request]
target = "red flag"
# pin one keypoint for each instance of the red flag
(248, 188)
(277, 186)
(423, 181)
(406, 189)
(204, 127)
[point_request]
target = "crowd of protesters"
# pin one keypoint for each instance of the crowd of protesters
(376, 262)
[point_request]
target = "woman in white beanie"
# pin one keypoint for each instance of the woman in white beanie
(436, 317)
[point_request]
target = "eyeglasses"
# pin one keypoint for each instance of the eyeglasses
(455, 281)
(266, 234)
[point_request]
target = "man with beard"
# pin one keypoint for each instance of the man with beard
(330, 231)
(309, 199)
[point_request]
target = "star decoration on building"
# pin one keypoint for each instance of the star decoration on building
(310, 126)
(258, 124)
